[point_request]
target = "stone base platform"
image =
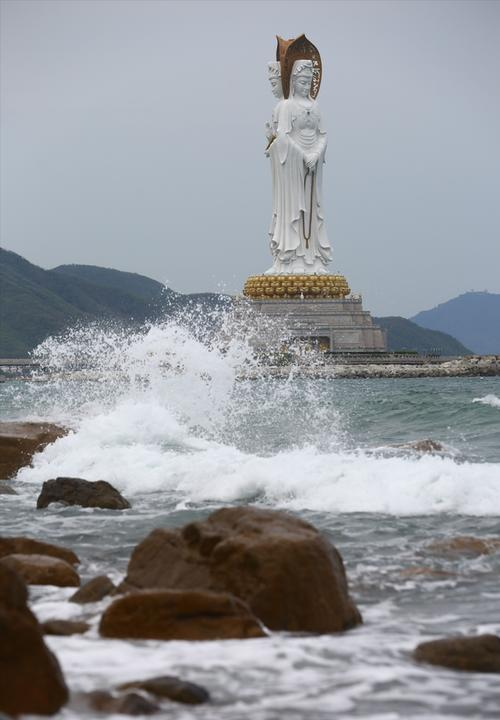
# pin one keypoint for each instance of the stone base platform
(336, 324)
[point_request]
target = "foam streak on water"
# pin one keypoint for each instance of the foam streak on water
(162, 414)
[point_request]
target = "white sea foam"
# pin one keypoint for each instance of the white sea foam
(491, 400)
(118, 448)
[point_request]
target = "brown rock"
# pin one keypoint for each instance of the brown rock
(173, 688)
(422, 446)
(424, 571)
(178, 615)
(6, 489)
(64, 627)
(19, 441)
(42, 570)
(129, 704)
(93, 590)
(465, 545)
(30, 677)
(74, 491)
(291, 576)
(475, 654)
(28, 546)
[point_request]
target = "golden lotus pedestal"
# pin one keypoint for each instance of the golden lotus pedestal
(318, 308)
(296, 286)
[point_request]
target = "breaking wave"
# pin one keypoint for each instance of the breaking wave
(491, 400)
(163, 413)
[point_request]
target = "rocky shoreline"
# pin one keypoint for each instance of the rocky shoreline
(240, 573)
(473, 366)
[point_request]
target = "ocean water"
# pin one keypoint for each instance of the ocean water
(165, 415)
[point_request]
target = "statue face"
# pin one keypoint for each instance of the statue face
(302, 84)
(276, 88)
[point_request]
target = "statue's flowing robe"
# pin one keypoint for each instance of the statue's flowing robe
(292, 195)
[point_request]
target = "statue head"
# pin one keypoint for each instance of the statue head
(274, 74)
(302, 76)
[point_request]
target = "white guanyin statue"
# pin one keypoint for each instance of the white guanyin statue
(297, 145)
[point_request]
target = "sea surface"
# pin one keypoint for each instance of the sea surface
(164, 415)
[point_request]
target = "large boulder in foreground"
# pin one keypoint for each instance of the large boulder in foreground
(291, 576)
(19, 441)
(30, 677)
(42, 570)
(75, 491)
(29, 546)
(475, 654)
(179, 615)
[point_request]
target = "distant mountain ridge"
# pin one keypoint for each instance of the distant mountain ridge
(403, 334)
(133, 284)
(473, 318)
(36, 303)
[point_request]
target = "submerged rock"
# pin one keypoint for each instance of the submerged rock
(28, 546)
(93, 590)
(42, 570)
(178, 615)
(475, 654)
(423, 571)
(19, 441)
(30, 676)
(74, 491)
(104, 702)
(64, 627)
(289, 574)
(6, 489)
(464, 545)
(171, 687)
(427, 446)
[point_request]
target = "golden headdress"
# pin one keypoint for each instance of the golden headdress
(288, 51)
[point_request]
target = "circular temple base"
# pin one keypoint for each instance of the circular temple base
(277, 287)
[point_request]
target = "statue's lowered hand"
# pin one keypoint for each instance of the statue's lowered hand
(311, 161)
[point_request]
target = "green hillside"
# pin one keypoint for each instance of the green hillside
(36, 303)
(133, 284)
(403, 334)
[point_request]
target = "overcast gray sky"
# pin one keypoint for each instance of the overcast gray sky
(132, 137)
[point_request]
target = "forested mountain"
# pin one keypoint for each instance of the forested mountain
(403, 334)
(473, 318)
(36, 303)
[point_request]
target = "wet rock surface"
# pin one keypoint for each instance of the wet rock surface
(29, 546)
(427, 446)
(64, 627)
(105, 703)
(86, 493)
(30, 676)
(171, 687)
(42, 570)
(179, 615)
(474, 654)
(290, 575)
(6, 489)
(19, 441)
(93, 590)
(464, 545)
(425, 572)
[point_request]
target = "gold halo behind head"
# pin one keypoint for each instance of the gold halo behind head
(288, 51)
